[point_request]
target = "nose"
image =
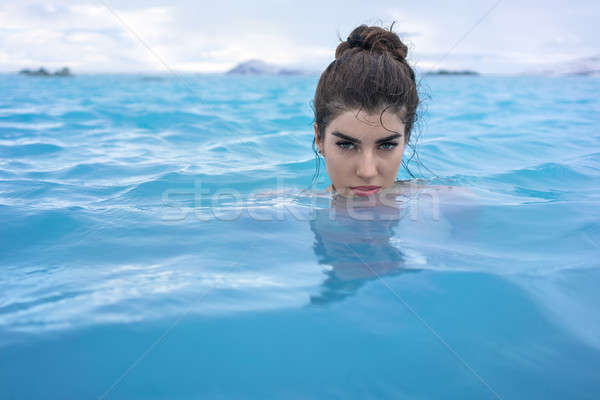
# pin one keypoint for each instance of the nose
(367, 168)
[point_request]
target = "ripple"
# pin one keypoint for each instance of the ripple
(29, 150)
(30, 126)
(89, 169)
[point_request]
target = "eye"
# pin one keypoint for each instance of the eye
(388, 145)
(345, 145)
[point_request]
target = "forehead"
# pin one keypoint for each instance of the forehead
(367, 126)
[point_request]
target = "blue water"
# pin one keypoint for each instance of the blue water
(157, 242)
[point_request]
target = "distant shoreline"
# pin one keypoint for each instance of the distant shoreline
(63, 72)
(452, 72)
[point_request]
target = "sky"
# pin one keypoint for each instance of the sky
(489, 36)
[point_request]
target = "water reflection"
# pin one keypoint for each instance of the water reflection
(353, 237)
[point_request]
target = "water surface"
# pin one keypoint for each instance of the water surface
(156, 242)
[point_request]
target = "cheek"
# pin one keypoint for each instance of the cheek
(336, 163)
(391, 165)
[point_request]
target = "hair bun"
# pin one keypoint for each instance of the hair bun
(376, 39)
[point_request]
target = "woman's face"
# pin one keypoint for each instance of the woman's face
(362, 157)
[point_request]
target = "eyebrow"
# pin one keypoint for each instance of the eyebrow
(354, 140)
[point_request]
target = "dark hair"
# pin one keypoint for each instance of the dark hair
(369, 72)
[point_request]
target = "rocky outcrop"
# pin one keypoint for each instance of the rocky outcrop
(585, 66)
(44, 72)
(259, 67)
(451, 72)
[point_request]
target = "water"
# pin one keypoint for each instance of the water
(156, 242)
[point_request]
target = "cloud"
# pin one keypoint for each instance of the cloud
(212, 37)
(511, 38)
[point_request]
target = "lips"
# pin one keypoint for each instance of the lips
(365, 190)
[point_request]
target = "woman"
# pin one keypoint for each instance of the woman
(365, 106)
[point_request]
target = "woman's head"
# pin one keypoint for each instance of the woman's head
(365, 107)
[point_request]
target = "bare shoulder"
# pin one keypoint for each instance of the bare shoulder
(421, 187)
